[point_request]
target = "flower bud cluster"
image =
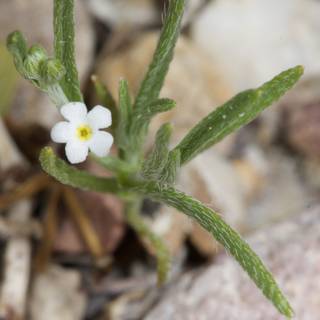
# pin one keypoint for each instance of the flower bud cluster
(34, 63)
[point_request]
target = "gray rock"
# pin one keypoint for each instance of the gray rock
(63, 298)
(223, 291)
(254, 40)
(284, 193)
(300, 118)
(134, 14)
(124, 13)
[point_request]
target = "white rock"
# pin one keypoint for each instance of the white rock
(56, 295)
(124, 12)
(213, 180)
(284, 193)
(253, 40)
(136, 13)
(223, 291)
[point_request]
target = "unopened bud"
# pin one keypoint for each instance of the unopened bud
(36, 54)
(16, 44)
(51, 71)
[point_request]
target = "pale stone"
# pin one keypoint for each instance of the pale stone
(282, 192)
(56, 294)
(128, 14)
(300, 118)
(223, 291)
(253, 40)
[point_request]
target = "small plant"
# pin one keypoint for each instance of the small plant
(136, 176)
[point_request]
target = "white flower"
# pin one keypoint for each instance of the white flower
(81, 132)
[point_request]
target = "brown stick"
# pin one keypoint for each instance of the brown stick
(49, 231)
(82, 221)
(24, 190)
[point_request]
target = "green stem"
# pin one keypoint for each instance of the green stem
(73, 177)
(115, 165)
(56, 95)
(64, 49)
(134, 219)
(223, 233)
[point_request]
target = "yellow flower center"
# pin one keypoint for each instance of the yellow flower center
(84, 132)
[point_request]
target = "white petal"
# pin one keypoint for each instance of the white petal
(60, 133)
(74, 111)
(99, 117)
(76, 152)
(101, 143)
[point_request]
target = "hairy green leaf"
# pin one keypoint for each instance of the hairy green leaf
(115, 165)
(154, 164)
(169, 172)
(153, 81)
(161, 251)
(71, 176)
(238, 111)
(223, 233)
(141, 119)
(106, 98)
(125, 113)
(64, 47)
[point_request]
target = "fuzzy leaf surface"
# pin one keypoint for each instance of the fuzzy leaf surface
(154, 164)
(224, 234)
(170, 170)
(73, 177)
(115, 164)
(153, 81)
(141, 119)
(105, 97)
(64, 47)
(125, 113)
(238, 111)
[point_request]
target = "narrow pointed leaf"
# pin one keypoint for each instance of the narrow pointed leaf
(71, 176)
(223, 233)
(153, 81)
(115, 165)
(125, 113)
(141, 119)
(169, 172)
(154, 164)
(64, 47)
(238, 111)
(106, 99)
